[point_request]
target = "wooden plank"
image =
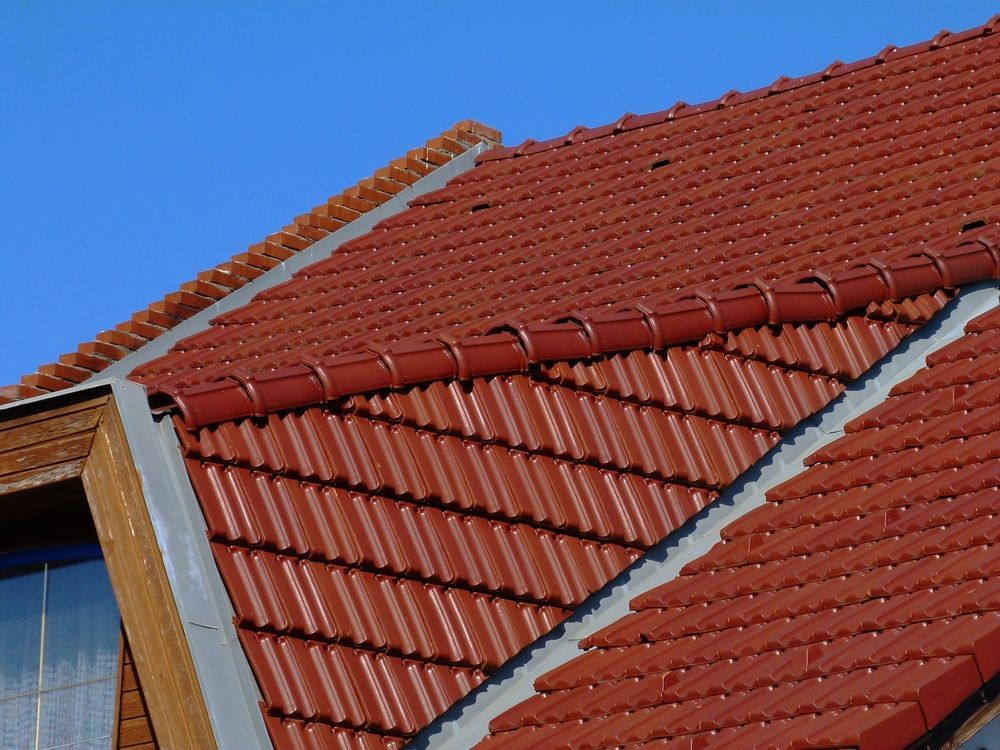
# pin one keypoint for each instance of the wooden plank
(132, 732)
(128, 680)
(33, 478)
(45, 454)
(43, 411)
(983, 716)
(48, 428)
(132, 705)
(152, 624)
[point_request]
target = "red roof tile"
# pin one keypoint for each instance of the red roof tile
(216, 283)
(474, 416)
(869, 585)
(866, 164)
(452, 524)
(418, 455)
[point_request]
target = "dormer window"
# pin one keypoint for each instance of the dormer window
(59, 627)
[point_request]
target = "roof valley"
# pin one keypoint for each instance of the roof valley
(466, 722)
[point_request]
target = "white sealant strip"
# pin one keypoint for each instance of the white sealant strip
(467, 722)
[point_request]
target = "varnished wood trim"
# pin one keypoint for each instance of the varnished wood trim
(51, 428)
(152, 624)
(41, 476)
(43, 412)
(45, 454)
(135, 734)
(132, 705)
(81, 436)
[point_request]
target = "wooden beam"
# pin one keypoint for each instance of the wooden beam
(43, 476)
(34, 414)
(41, 427)
(152, 624)
(47, 445)
(131, 728)
(44, 455)
(119, 692)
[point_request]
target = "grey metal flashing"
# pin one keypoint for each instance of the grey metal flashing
(227, 684)
(467, 722)
(319, 250)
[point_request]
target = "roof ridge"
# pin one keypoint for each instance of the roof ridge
(218, 282)
(731, 98)
(512, 347)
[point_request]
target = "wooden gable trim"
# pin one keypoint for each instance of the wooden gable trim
(78, 438)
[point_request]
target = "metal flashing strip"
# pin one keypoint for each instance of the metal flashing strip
(319, 250)
(228, 686)
(467, 722)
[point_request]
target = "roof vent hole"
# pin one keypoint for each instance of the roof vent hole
(970, 225)
(480, 206)
(658, 163)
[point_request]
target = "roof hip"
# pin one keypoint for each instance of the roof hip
(512, 347)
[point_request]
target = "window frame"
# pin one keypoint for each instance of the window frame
(68, 450)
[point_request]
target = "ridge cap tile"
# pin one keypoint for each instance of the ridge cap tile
(821, 297)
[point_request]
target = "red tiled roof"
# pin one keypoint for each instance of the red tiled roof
(522, 346)
(390, 533)
(435, 531)
(218, 282)
(862, 165)
(857, 608)
(394, 525)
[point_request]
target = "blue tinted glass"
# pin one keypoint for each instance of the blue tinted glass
(72, 705)
(81, 625)
(74, 715)
(17, 722)
(20, 632)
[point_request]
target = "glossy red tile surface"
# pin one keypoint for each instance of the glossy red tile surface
(452, 524)
(300, 735)
(812, 180)
(416, 456)
(876, 591)
(340, 685)
(218, 282)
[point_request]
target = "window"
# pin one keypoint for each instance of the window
(59, 628)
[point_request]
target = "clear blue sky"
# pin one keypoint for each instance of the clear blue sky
(141, 143)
